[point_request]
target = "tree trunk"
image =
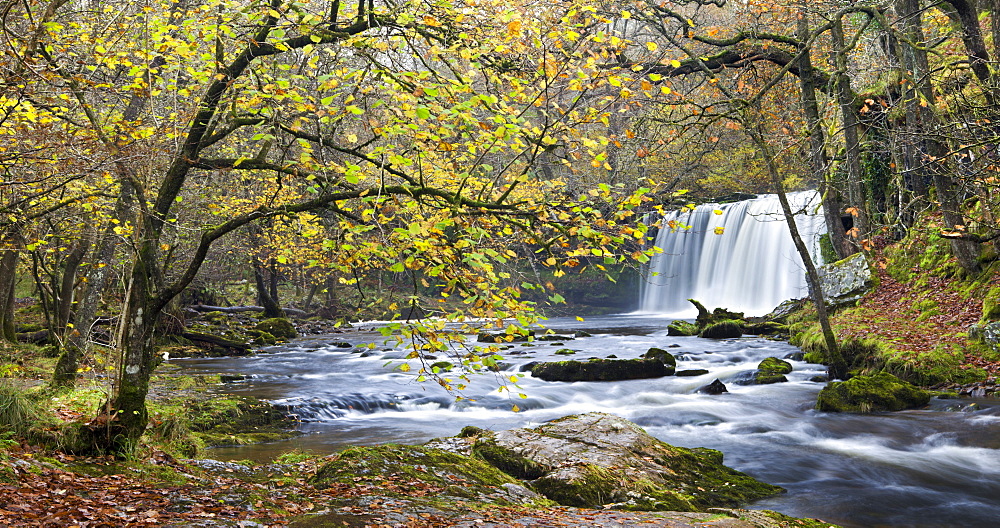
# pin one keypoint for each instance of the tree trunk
(8, 281)
(67, 286)
(753, 125)
(818, 161)
(264, 293)
(852, 143)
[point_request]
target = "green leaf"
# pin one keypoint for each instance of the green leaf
(423, 112)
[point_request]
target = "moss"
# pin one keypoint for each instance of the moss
(766, 328)
(773, 364)
(238, 421)
(508, 461)
(681, 327)
(565, 352)
(728, 328)
(278, 327)
(454, 474)
(991, 305)
(661, 355)
(865, 394)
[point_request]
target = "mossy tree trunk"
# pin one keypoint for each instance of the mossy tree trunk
(852, 130)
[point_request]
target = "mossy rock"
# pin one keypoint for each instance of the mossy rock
(261, 337)
(396, 468)
(601, 460)
(768, 378)
(667, 358)
(507, 460)
(682, 328)
(729, 328)
(601, 370)
(874, 393)
(238, 421)
(775, 365)
(278, 327)
(565, 352)
(991, 305)
(766, 328)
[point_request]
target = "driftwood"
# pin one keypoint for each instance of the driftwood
(216, 340)
(242, 309)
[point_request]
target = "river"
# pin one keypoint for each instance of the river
(934, 467)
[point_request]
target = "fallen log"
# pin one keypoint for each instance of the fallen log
(242, 309)
(216, 340)
(35, 338)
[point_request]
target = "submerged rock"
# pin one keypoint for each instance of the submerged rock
(601, 370)
(596, 459)
(875, 393)
(772, 370)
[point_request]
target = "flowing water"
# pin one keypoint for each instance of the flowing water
(934, 467)
(750, 265)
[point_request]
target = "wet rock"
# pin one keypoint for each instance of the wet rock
(795, 356)
(844, 282)
(601, 370)
(553, 337)
(232, 378)
(774, 365)
(581, 333)
(442, 366)
(565, 352)
(691, 372)
(782, 311)
(661, 355)
(675, 345)
(714, 388)
(596, 459)
(867, 394)
(682, 328)
(819, 379)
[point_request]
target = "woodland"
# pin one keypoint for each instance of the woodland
(436, 163)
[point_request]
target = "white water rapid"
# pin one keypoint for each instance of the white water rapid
(751, 267)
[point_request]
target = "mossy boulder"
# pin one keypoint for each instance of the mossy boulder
(278, 327)
(682, 328)
(667, 358)
(874, 393)
(601, 370)
(600, 460)
(766, 328)
(991, 305)
(398, 468)
(775, 365)
(728, 328)
(771, 370)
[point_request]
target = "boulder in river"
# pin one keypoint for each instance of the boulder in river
(874, 393)
(598, 460)
(278, 327)
(667, 358)
(714, 388)
(681, 327)
(728, 328)
(602, 370)
(771, 370)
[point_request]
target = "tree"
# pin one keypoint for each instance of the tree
(417, 127)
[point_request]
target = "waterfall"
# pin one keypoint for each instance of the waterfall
(752, 266)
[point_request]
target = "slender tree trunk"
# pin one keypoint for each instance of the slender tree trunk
(264, 293)
(852, 126)
(78, 340)
(818, 161)
(67, 286)
(753, 125)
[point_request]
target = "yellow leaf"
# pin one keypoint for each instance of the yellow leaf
(651, 46)
(675, 63)
(719, 230)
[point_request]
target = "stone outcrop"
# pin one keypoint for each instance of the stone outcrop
(844, 282)
(601, 460)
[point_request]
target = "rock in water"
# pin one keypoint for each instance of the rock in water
(875, 393)
(716, 387)
(601, 460)
(601, 370)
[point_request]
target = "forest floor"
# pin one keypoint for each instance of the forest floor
(66, 491)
